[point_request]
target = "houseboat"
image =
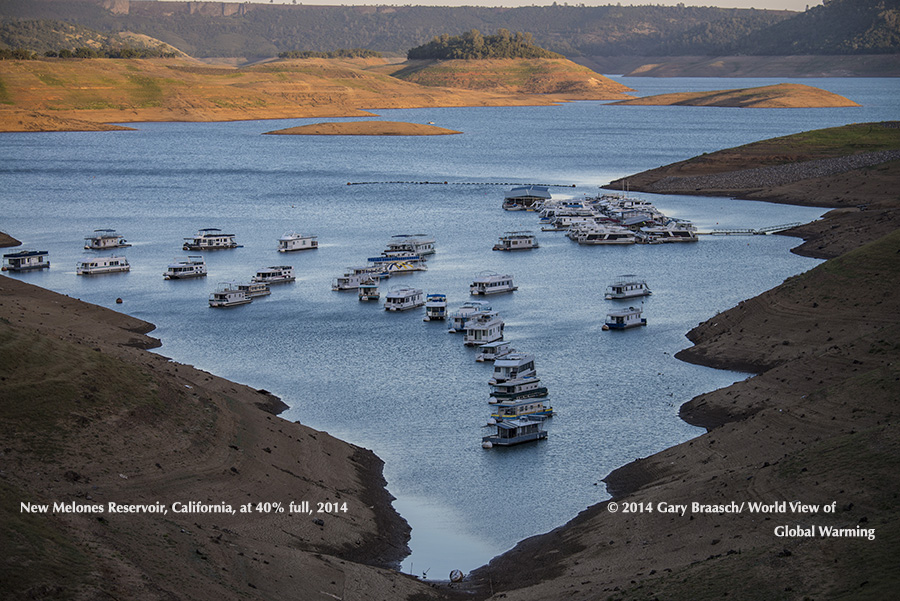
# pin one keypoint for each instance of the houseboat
(626, 318)
(492, 283)
(515, 431)
(292, 241)
(521, 388)
(606, 234)
(435, 307)
(513, 409)
(254, 289)
(354, 276)
(368, 289)
(403, 298)
(516, 241)
(526, 198)
(457, 319)
(276, 274)
(210, 239)
(673, 231)
(627, 286)
(483, 327)
(492, 351)
(98, 265)
(104, 239)
(228, 294)
(26, 260)
(192, 267)
(418, 244)
(513, 366)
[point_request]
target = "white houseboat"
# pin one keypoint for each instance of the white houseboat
(276, 274)
(435, 307)
(515, 431)
(520, 388)
(483, 327)
(513, 366)
(210, 239)
(458, 318)
(368, 289)
(492, 283)
(605, 234)
(292, 241)
(626, 318)
(525, 198)
(26, 260)
(492, 351)
(354, 276)
(192, 267)
(513, 409)
(517, 241)
(402, 298)
(228, 294)
(97, 265)
(673, 231)
(104, 239)
(254, 289)
(417, 244)
(627, 286)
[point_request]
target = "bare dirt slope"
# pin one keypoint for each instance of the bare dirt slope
(783, 95)
(89, 417)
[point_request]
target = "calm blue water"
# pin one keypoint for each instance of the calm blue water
(390, 382)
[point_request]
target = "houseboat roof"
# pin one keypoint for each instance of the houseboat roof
(513, 359)
(495, 344)
(625, 312)
(26, 253)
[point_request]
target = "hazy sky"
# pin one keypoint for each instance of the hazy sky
(797, 5)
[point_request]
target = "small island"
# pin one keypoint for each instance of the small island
(365, 128)
(783, 95)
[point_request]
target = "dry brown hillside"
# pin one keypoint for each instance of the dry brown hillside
(44, 94)
(514, 76)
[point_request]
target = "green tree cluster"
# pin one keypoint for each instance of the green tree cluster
(473, 45)
(340, 53)
(86, 52)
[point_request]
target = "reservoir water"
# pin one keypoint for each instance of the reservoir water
(406, 389)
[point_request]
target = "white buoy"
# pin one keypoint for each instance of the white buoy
(491, 421)
(487, 445)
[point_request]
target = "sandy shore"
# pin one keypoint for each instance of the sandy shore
(90, 417)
